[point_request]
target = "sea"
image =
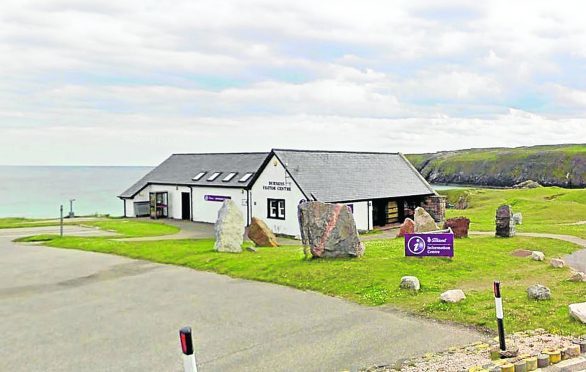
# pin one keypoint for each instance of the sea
(39, 191)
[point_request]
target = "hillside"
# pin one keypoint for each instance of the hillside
(554, 165)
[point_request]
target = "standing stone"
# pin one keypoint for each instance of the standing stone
(505, 227)
(518, 218)
(538, 292)
(329, 230)
(410, 282)
(537, 256)
(462, 202)
(229, 228)
(407, 227)
(578, 311)
(260, 234)
(459, 226)
(557, 263)
(453, 296)
(423, 221)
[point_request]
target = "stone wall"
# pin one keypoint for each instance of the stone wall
(435, 205)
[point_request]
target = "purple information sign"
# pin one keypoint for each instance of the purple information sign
(217, 198)
(429, 244)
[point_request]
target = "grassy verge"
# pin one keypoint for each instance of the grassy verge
(545, 209)
(16, 222)
(135, 228)
(374, 279)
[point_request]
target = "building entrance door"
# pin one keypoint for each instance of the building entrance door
(159, 207)
(185, 206)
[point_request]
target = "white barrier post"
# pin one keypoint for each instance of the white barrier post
(498, 301)
(189, 364)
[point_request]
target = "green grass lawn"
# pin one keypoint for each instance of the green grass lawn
(134, 228)
(544, 209)
(374, 278)
(15, 222)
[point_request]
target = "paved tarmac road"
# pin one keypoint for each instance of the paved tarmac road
(68, 310)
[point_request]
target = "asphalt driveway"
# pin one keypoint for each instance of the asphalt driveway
(67, 310)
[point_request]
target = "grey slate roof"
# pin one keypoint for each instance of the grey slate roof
(336, 176)
(179, 169)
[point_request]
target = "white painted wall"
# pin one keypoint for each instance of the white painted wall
(174, 199)
(140, 197)
(362, 215)
(207, 211)
(285, 189)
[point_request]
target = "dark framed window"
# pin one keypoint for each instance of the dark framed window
(276, 209)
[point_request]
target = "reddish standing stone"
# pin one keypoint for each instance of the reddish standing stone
(459, 226)
(407, 227)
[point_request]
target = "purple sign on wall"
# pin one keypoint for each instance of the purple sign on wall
(429, 244)
(216, 198)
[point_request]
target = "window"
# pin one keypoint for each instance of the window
(245, 178)
(199, 176)
(214, 176)
(276, 209)
(229, 177)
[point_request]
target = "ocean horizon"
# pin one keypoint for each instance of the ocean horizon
(37, 191)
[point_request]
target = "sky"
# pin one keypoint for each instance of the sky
(129, 82)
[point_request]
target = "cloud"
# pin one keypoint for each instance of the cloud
(254, 74)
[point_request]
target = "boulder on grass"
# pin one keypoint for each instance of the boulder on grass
(538, 292)
(577, 276)
(453, 296)
(423, 221)
(229, 228)
(407, 227)
(459, 226)
(578, 311)
(329, 230)
(260, 234)
(557, 263)
(537, 256)
(518, 218)
(410, 283)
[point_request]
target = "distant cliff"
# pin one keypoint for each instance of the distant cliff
(555, 165)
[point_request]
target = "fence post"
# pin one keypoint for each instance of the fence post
(61, 221)
(498, 301)
(189, 364)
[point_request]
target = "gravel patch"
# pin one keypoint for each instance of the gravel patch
(476, 356)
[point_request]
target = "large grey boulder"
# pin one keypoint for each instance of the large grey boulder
(578, 311)
(410, 283)
(423, 221)
(538, 292)
(329, 230)
(229, 228)
(453, 296)
(505, 226)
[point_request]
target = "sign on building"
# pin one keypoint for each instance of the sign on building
(216, 198)
(429, 245)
